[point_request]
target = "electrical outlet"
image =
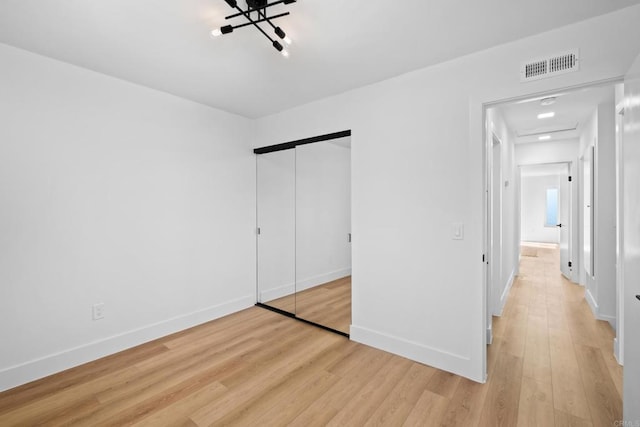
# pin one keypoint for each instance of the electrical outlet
(98, 311)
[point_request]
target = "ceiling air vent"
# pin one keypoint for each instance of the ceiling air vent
(551, 66)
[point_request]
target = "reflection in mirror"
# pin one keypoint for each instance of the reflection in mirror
(276, 225)
(323, 233)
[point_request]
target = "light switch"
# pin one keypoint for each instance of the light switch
(457, 231)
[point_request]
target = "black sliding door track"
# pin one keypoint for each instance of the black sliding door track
(293, 316)
(293, 144)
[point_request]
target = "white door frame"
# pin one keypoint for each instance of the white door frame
(486, 186)
(618, 341)
(572, 224)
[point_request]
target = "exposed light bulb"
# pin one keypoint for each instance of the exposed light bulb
(546, 115)
(287, 40)
(544, 138)
(216, 33)
(285, 53)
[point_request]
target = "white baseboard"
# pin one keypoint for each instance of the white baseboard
(303, 284)
(437, 358)
(277, 292)
(592, 302)
(617, 353)
(489, 335)
(607, 318)
(505, 294)
(595, 309)
(23, 373)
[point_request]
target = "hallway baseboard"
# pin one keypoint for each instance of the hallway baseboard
(595, 309)
(505, 293)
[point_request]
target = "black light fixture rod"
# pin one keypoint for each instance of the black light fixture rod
(246, 15)
(261, 20)
(266, 6)
(266, 18)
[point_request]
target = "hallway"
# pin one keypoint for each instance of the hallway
(550, 358)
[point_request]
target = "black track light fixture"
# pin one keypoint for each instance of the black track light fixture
(257, 12)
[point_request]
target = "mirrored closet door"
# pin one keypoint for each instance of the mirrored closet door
(276, 229)
(304, 223)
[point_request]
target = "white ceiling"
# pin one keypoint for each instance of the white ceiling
(338, 44)
(572, 110)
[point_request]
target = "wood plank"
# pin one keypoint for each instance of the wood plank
(265, 374)
(503, 394)
(443, 383)
(429, 411)
(288, 407)
(466, 405)
(177, 413)
(536, 403)
(66, 380)
(514, 339)
(365, 402)
(604, 402)
(537, 358)
(402, 399)
(355, 371)
(567, 420)
(568, 390)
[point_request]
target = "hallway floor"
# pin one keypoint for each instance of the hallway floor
(550, 358)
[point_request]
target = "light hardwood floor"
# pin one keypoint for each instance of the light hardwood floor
(550, 364)
(328, 304)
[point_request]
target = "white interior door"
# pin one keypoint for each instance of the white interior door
(564, 216)
(631, 206)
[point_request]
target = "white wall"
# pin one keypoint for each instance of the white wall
(534, 207)
(417, 161)
(605, 232)
(600, 280)
(631, 261)
(117, 194)
(547, 152)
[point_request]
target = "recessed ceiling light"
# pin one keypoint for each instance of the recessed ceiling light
(544, 138)
(546, 115)
(548, 101)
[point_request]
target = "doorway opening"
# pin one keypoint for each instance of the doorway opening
(545, 211)
(551, 182)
